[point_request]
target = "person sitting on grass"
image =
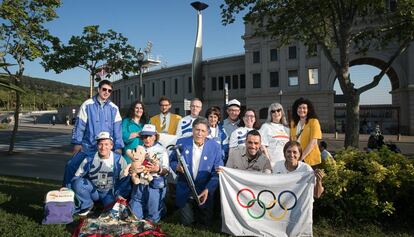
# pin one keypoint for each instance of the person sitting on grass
(99, 177)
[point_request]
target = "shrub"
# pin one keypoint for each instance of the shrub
(374, 186)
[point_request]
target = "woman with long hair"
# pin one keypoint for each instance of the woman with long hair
(248, 123)
(132, 124)
(275, 133)
(305, 128)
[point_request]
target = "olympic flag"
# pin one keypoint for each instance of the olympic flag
(257, 204)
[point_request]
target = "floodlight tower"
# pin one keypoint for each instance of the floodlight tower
(196, 72)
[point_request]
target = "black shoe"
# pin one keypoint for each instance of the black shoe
(85, 212)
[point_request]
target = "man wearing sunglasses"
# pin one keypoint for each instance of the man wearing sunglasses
(97, 114)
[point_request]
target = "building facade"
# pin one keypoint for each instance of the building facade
(268, 73)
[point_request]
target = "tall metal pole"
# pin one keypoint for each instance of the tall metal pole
(141, 97)
(196, 72)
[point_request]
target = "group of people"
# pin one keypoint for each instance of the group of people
(100, 169)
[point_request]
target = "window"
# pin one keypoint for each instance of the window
(136, 93)
(175, 86)
(228, 81)
(256, 80)
(292, 52)
(235, 82)
(312, 50)
(190, 85)
(153, 89)
(293, 77)
(221, 83)
(129, 93)
(177, 110)
(143, 91)
(256, 57)
(242, 81)
(273, 55)
(214, 83)
(163, 87)
(274, 79)
(263, 113)
(313, 76)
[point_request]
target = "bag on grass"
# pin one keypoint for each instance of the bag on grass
(59, 206)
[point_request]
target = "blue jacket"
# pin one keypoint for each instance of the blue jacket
(206, 176)
(93, 119)
(121, 186)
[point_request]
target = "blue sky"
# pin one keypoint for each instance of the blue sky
(170, 26)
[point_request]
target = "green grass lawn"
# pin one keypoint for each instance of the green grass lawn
(21, 213)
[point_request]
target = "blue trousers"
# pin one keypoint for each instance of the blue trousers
(87, 193)
(146, 202)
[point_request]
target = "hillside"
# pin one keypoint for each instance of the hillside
(43, 94)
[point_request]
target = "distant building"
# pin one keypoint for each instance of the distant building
(268, 73)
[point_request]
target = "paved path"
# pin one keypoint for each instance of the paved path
(39, 143)
(41, 151)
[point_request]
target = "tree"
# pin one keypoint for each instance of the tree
(338, 27)
(93, 51)
(23, 37)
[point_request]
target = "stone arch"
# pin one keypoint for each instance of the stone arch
(376, 61)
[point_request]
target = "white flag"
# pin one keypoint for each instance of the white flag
(257, 204)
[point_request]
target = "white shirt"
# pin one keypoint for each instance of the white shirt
(196, 158)
(238, 137)
(280, 168)
(101, 172)
(274, 137)
(185, 127)
(167, 121)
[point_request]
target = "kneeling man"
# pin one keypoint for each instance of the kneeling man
(100, 177)
(203, 157)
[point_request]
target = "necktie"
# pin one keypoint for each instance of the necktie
(164, 123)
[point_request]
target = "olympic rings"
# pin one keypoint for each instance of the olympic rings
(280, 195)
(281, 216)
(260, 203)
(248, 204)
(270, 205)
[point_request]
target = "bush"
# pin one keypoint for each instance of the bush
(374, 186)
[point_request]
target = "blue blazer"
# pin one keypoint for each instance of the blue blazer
(206, 176)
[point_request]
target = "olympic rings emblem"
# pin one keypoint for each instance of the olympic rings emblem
(270, 204)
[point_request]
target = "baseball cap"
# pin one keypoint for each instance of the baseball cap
(234, 102)
(103, 135)
(148, 130)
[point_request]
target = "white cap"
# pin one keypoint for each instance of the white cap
(148, 130)
(234, 102)
(103, 135)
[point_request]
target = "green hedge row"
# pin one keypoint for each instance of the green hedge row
(374, 186)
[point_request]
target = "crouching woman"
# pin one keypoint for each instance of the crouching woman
(148, 193)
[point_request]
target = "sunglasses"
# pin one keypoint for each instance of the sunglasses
(106, 89)
(274, 110)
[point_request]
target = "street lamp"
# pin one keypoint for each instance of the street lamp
(280, 96)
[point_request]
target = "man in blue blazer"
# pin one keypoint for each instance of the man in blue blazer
(202, 156)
